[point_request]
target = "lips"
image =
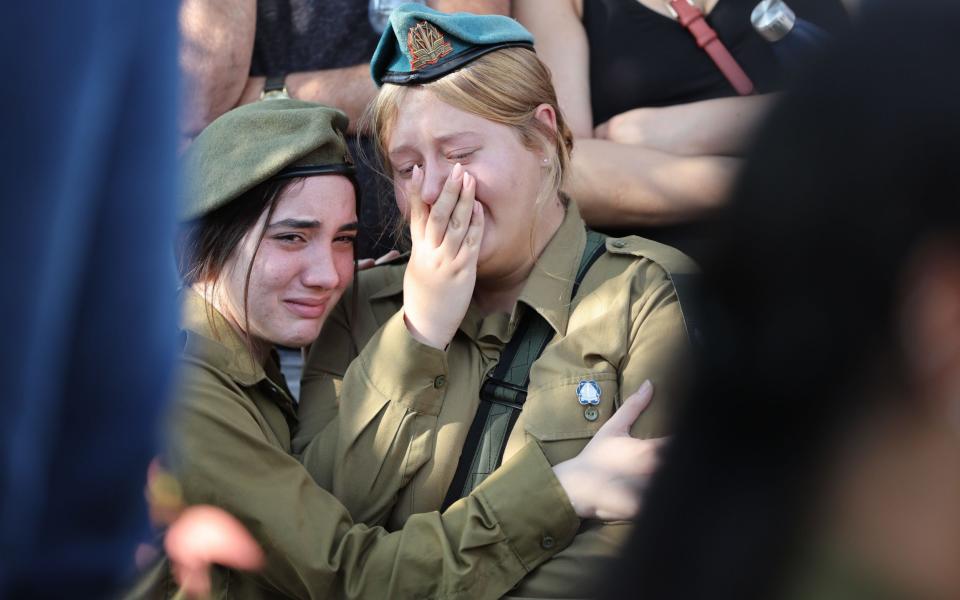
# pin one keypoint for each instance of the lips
(307, 308)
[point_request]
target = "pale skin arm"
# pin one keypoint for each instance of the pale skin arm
(619, 185)
(718, 127)
(215, 55)
(216, 48)
(657, 167)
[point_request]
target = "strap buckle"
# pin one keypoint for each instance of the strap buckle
(275, 88)
(489, 393)
(673, 11)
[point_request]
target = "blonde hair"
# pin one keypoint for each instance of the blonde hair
(504, 86)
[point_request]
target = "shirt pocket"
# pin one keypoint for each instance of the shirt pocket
(554, 415)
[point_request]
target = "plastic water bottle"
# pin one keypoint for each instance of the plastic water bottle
(379, 12)
(794, 40)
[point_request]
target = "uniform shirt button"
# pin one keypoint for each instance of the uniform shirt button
(618, 243)
(547, 542)
(591, 413)
(439, 381)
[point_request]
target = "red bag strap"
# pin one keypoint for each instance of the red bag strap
(691, 18)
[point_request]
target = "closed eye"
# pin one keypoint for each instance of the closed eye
(406, 171)
(461, 154)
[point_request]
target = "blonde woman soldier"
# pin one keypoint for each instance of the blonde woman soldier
(266, 250)
(531, 340)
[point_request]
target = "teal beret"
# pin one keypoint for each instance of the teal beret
(269, 139)
(421, 44)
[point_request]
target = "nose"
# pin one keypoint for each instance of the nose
(321, 269)
(434, 176)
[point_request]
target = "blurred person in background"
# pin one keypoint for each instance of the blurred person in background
(820, 455)
(266, 249)
(88, 117)
(660, 131)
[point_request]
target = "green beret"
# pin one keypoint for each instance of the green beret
(264, 140)
(422, 44)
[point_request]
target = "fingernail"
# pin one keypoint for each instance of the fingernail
(457, 172)
(645, 387)
(467, 178)
(477, 209)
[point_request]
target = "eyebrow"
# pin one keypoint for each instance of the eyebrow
(310, 224)
(295, 224)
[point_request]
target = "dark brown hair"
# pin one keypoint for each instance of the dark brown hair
(207, 243)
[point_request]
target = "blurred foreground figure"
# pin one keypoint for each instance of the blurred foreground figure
(820, 457)
(87, 171)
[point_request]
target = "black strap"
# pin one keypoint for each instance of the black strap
(504, 392)
(275, 83)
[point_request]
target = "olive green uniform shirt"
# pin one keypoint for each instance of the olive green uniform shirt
(624, 326)
(231, 429)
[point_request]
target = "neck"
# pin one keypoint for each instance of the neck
(213, 295)
(499, 292)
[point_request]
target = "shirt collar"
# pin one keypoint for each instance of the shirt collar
(215, 341)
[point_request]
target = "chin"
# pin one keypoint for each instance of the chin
(299, 337)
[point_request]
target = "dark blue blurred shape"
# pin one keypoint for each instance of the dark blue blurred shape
(793, 39)
(87, 173)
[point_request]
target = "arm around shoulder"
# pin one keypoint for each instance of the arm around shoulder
(312, 546)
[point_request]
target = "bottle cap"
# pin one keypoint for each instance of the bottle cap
(773, 19)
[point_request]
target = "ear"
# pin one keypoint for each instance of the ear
(931, 321)
(547, 115)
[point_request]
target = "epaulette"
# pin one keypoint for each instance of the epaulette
(680, 268)
(668, 257)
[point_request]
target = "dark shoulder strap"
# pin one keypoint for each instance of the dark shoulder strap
(503, 393)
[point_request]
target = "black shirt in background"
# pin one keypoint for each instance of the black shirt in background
(640, 58)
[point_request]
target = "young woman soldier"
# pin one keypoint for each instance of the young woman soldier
(266, 252)
(473, 358)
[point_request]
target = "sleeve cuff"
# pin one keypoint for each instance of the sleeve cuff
(404, 370)
(531, 506)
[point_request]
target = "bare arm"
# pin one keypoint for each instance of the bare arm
(562, 44)
(216, 48)
(722, 126)
(347, 88)
(618, 185)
